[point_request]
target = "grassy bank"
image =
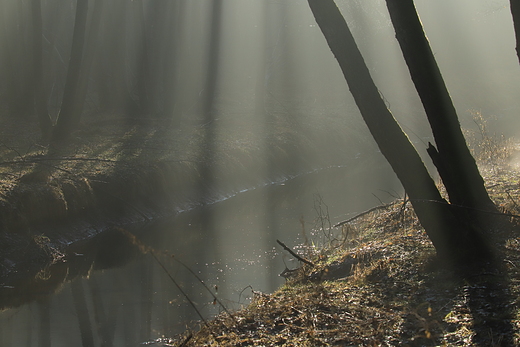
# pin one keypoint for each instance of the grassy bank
(380, 284)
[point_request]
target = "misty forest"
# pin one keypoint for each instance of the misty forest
(259, 173)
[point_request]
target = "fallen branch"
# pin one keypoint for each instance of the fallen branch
(505, 214)
(38, 160)
(294, 254)
(364, 213)
(43, 159)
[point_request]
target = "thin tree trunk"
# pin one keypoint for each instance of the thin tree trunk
(111, 77)
(515, 12)
(449, 238)
(142, 60)
(91, 43)
(18, 60)
(40, 101)
(68, 116)
(456, 165)
(80, 304)
(44, 331)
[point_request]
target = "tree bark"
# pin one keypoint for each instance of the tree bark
(450, 238)
(68, 113)
(456, 165)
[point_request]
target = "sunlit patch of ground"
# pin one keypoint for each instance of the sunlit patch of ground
(385, 287)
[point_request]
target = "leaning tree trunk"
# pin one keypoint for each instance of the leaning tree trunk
(456, 165)
(452, 241)
(515, 11)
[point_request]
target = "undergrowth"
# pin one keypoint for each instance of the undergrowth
(377, 282)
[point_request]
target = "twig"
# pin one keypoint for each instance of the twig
(468, 208)
(364, 213)
(207, 288)
(403, 207)
(192, 304)
(294, 254)
(380, 201)
(186, 339)
(13, 149)
(510, 197)
(146, 249)
(24, 160)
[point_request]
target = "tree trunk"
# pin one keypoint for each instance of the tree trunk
(90, 48)
(112, 59)
(15, 32)
(68, 112)
(515, 11)
(452, 240)
(40, 101)
(80, 304)
(456, 165)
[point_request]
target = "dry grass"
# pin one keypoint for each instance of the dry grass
(385, 288)
(382, 287)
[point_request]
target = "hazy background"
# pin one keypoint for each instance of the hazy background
(252, 74)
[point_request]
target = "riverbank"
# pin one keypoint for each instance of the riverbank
(126, 172)
(381, 285)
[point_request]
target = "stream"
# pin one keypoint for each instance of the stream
(122, 297)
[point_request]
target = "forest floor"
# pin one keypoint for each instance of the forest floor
(378, 283)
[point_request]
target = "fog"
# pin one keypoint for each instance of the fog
(253, 77)
(261, 57)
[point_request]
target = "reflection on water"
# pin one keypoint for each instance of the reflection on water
(110, 294)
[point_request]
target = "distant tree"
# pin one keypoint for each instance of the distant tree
(40, 99)
(453, 238)
(515, 11)
(17, 60)
(206, 167)
(112, 59)
(90, 48)
(156, 58)
(69, 115)
(213, 61)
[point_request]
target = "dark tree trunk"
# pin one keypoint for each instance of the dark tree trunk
(90, 48)
(450, 238)
(80, 304)
(69, 115)
(143, 97)
(17, 59)
(156, 61)
(40, 100)
(207, 166)
(213, 61)
(515, 11)
(456, 165)
(112, 59)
